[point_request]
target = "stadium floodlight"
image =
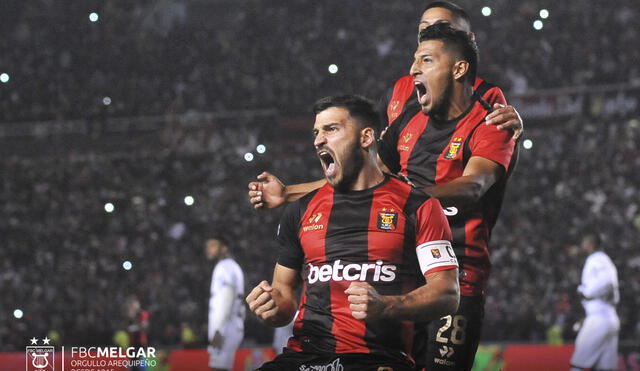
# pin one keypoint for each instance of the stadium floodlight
(544, 13)
(248, 156)
(4, 77)
(18, 313)
(261, 148)
(538, 24)
(527, 144)
(93, 17)
(127, 265)
(333, 69)
(108, 207)
(189, 200)
(486, 11)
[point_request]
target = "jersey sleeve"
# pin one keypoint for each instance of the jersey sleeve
(388, 147)
(494, 95)
(489, 142)
(600, 281)
(433, 239)
(291, 254)
(493, 144)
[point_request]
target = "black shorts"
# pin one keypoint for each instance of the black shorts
(299, 361)
(451, 342)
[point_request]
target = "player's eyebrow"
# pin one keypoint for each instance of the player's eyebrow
(436, 22)
(422, 55)
(325, 127)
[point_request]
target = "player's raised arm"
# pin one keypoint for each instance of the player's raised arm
(276, 303)
(269, 192)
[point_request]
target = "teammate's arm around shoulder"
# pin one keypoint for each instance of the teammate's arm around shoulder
(269, 192)
(276, 303)
(478, 176)
(503, 116)
(440, 295)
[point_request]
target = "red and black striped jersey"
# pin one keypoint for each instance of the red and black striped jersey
(432, 153)
(375, 235)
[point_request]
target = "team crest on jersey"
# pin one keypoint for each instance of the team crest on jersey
(387, 220)
(454, 147)
(436, 253)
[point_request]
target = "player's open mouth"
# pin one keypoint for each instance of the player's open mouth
(328, 163)
(421, 91)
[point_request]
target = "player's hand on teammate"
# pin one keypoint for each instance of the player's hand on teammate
(261, 302)
(506, 118)
(364, 301)
(267, 192)
(217, 340)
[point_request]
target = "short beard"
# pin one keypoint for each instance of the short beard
(440, 109)
(351, 167)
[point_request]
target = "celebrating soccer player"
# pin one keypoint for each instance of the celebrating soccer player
(505, 117)
(444, 147)
(358, 241)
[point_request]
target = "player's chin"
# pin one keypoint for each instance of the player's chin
(334, 180)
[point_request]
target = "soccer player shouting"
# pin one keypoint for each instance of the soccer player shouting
(358, 243)
(444, 147)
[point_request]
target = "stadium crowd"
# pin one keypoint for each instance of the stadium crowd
(154, 57)
(62, 254)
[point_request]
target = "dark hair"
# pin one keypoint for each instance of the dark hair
(458, 40)
(223, 240)
(360, 108)
(457, 11)
(594, 235)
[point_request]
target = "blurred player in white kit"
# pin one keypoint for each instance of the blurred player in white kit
(597, 341)
(226, 306)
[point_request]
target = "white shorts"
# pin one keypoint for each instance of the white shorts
(223, 357)
(597, 343)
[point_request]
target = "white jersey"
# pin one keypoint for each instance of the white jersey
(597, 341)
(228, 273)
(599, 285)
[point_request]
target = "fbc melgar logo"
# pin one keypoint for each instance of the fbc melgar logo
(42, 357)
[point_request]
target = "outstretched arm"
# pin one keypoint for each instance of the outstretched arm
(276, 303)
(269, 192)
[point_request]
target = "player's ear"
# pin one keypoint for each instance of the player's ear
(367, 137)
(460, 69)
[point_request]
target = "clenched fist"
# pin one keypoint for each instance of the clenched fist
(267, 192)
(365, 302)
(261, 302)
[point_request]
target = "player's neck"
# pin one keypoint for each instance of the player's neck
(461, 98)
(370, 176)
